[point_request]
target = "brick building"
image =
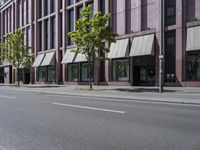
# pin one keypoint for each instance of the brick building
(133, 59)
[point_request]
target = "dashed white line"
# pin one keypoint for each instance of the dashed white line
(10, 97)
(90, 108)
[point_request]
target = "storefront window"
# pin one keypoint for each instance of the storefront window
(120, 70)
(193, 67)
(47, 73)
(42, 71)
(51, 73)
(72, 72)
(85, 74)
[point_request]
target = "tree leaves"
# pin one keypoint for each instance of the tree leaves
(14, 51)
(91, 32)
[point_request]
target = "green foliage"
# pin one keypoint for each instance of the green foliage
(14, 51)
(92, 30)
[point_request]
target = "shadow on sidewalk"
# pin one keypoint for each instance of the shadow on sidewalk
(141, 90)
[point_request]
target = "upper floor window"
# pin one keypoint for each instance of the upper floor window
(41, 8)
(79, 12)
(54, 5)
(71, 2)
(102, 6)
(71, 24)
(46, 7)
(170, 12)
(53, 32)
(92, 8)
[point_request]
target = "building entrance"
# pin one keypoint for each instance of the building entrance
(144, 71)
(2, 75)
(24, 75)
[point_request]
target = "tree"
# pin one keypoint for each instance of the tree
(15, 52)
(92, 31)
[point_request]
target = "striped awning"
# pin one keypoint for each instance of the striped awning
(72, 57)
(38, 60)
(142, 45)
(119, 49)
(193, 36)
(69, 57)
(49, 59)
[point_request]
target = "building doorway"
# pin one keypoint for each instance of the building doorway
(144, 71)
(2, 75)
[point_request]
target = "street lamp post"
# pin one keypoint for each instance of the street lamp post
(161, 46)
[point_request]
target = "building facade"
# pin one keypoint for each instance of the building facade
(133, 59)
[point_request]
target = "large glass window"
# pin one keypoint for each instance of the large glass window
(46, 7)
(102, 6)
(79, 12)
(53, 44)
(40, 34)
(170, 12)
(72, 72)
(71, 24)
(92, 8)
(170, 51)
(85, 74)
(42, 73)
(61, 28)
(54, 5)
(120, 70)
(47, 73)
(51, 73)
(193, 66)
(46, 34)
(41, 8)
(71, 2)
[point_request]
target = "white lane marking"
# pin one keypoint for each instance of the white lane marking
(91, 108)
(2, 148)
(10, 97)
(136, 100)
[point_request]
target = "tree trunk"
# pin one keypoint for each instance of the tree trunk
(18, 84)
(90, 74)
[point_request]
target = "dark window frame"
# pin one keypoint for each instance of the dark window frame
(118, 59)
(86, 63)
(188, 54)
(67, 72)
(170, 20)
(168, 49)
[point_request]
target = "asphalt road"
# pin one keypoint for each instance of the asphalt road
(52, 122)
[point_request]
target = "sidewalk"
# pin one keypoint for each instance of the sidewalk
(170, 95)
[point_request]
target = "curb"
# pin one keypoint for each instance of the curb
(150, 100)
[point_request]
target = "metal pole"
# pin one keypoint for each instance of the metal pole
(161, 46)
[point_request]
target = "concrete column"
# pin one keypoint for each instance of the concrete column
(184, 31)
(157, 45)
(36, 33)
(96, 67)
(31, 36)
(58, 51)
(108, 3)
(179, 42)
(64, 31)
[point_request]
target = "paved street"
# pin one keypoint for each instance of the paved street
(38, 121)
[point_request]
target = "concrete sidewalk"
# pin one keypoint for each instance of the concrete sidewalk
(171, 94)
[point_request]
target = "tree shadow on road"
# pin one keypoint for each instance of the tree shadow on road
(141, 90)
